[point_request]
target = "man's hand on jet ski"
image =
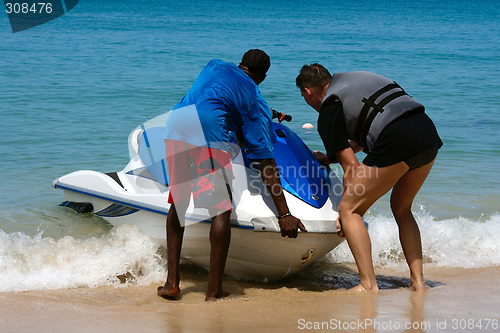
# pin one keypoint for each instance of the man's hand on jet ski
(289, 224)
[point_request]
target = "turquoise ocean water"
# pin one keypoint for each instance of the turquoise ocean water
(71, 91)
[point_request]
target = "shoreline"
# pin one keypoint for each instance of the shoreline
(293, 305)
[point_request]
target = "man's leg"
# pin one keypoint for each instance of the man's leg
(402, 197)
(220, 237)
(175, 234)
(179, 171)
(367, 186)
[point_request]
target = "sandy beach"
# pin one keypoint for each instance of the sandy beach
(458, 300)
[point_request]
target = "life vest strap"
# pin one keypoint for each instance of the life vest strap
(365, 121)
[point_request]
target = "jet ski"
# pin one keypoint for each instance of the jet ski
(138, 195)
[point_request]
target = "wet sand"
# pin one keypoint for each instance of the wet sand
(315, 300)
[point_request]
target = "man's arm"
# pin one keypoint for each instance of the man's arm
(355, 146)
(349, 163)
(289, 224)
(346, 158)
(321, 157)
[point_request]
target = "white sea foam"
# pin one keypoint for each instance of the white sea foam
(457, 242)
(125, 255)
(36, 263)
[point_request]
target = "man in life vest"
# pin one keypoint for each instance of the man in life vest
(363, 110)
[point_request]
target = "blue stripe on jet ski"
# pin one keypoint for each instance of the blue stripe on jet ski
(110, 208)
(234, 223)
(130, 204)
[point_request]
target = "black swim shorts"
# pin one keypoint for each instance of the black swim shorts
(412, 139)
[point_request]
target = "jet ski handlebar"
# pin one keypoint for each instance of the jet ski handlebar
(281, 116)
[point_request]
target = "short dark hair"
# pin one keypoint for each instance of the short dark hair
(314, 76)
(257, 61)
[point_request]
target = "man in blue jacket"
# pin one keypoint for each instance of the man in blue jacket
(223, 98)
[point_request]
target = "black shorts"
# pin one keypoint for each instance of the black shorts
(412, 139)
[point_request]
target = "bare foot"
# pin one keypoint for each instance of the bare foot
(169, 293)
(216, 297)
(418, 287)
(360, 288)
(417, 282)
